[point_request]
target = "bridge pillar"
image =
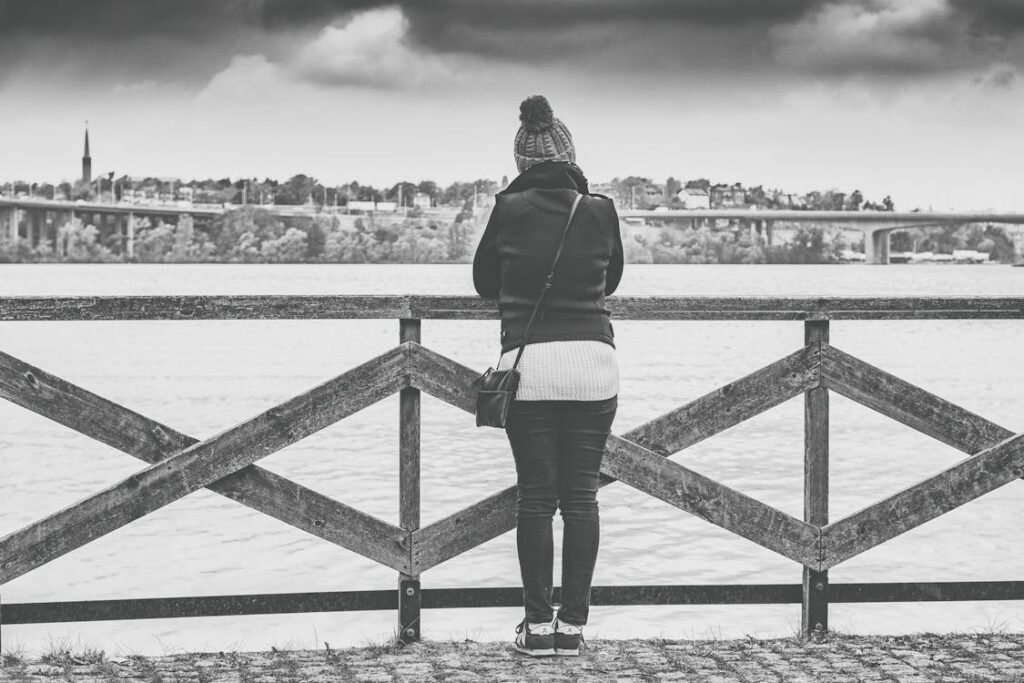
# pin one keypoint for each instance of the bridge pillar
(30, 227)
(39, 221)
(876, 247)
(131, 235)
(12, 224)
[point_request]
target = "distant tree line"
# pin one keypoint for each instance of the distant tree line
(250, 234)
(298, 190)
(994, 240)
(705, 245)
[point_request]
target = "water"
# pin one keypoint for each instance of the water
(202, 377)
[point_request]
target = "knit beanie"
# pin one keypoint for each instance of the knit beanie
(541, 137)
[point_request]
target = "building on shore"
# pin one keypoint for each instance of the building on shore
(694, 198)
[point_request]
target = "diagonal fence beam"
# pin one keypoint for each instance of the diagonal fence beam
(902, 401)
(712, 501)
(924, 501)
(455, 534)
(451, 382)
(442, 377)
(148, 440)
(731, 404)
(202, 464)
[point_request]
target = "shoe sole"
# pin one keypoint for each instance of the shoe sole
(567, 653)
(534, 652)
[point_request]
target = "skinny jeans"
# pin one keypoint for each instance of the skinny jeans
(558, 447)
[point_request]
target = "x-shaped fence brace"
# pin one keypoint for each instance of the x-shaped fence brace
(224, 463)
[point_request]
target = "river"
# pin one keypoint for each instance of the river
(202, 377)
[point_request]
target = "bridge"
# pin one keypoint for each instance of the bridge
(875, 225)
(36, 219)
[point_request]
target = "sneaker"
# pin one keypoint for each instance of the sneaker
(568, 638)
(536, 640)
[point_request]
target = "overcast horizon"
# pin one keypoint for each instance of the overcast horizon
(920, 99)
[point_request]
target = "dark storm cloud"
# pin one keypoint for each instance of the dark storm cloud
(189, 19)
(190, 40)
(544, 14)
(901, 39)
(1001, 16)
(185, 20)
(532, 30)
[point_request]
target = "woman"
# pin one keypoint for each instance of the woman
(569, 383)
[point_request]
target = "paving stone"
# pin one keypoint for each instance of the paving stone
(926, 658)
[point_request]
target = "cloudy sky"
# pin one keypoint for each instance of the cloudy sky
(923, 99)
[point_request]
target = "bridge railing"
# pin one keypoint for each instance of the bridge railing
(179, 464)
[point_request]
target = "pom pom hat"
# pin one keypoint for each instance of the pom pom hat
(541, 137)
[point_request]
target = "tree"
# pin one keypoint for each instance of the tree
(672, 187)
(429, 188)
(854, 201)
(404, 190)
(289, 248)
(78, 243)
(152, 245)
(238, 234)
(296, 190)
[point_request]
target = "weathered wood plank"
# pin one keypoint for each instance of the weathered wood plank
(409, 593)
(409, 437)
(924, 501)
(202, 307)
(464, 530)
(814, 584)
(317, 514)
(201, 464)
(710, 500)
(139, 436)
(902, 401)
(263, 307)
(443, 378)
(731, 404)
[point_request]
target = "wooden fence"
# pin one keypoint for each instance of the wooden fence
(180, 464)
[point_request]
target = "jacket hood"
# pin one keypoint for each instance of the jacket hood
(550, 175)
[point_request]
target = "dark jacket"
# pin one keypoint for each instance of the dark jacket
(519, 243)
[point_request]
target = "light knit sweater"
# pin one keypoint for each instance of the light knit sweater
(565, 371)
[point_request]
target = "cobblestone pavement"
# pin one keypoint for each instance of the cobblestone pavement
(835, 659)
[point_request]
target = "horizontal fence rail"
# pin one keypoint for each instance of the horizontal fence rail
(178, 464)
(460, 307)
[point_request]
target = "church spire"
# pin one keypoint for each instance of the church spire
(86, 158)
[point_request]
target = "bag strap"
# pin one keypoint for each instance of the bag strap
(548, 282)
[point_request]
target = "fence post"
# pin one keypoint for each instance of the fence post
(814, 609)
(409, 601)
